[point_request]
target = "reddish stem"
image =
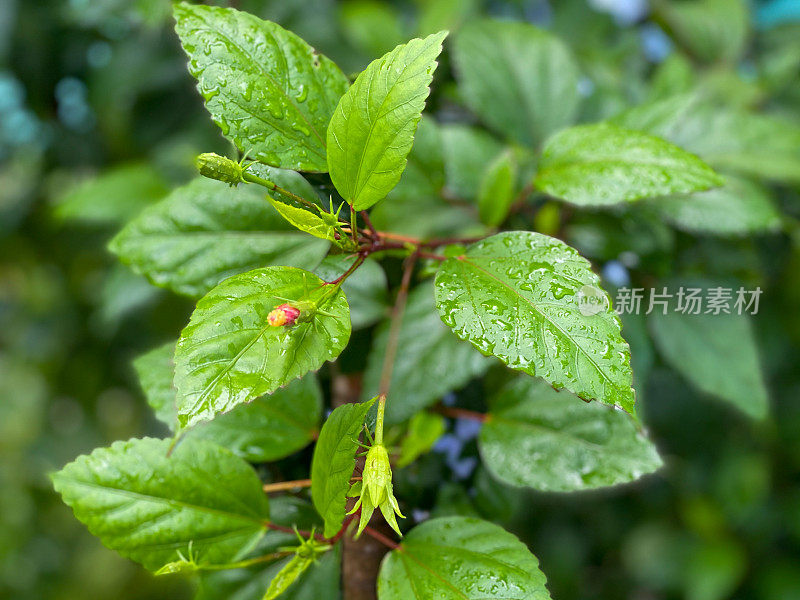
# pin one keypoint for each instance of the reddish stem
(381, 538)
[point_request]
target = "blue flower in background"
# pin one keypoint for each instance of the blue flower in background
(777, 12)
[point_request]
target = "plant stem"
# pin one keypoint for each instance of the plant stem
(461, 413)
(379, 422)
(356, 263)
(370, 226)
(394, 331)
(381, 538)
(274, 187)
(283, 486)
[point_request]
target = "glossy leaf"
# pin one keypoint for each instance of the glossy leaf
(521, 297)
(271, 427)
(739, 207)
(155, 370)
(429, 361)
(201, 500)
(461, 558)
(205, 232)
(305, 220)
(366, 288)
(554, 442)
(269, 91)
(496, 192)
(334, 461)
(519, 79)
(717, 353)
(229, 354)
(602, 164)
(372, 129)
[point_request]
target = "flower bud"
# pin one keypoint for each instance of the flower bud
(218, 167)
(283, 315)
(377, 475)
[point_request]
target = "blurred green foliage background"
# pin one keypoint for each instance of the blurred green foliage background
(92, 87)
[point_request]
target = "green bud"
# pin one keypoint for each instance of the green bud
(220, 168)
(376, 490)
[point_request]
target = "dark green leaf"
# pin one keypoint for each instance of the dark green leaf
(372, 130)
(429, 361)
(602, 164)
(202, 500)
(519, 79)
(205, 232)
(467, 152)
(555, 442)
(268, 90)
(534, 303)
(716, 353)
(739, 207)
(761, 145)
(271, 427)
(461, 558)
(229, 354)
(334, 461)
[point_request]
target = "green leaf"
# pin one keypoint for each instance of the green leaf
(519, 79)
(372, 130)
(461, 558)
(334, 461)
(372, 26)
(366, 288)
(305, 220)
(602, 164)
(115, 196)
(467, 152)
(424, 429)
(534, 303)
(429, 360)
(271, 427)
(148, 507)
(761, 145)
(554, 442)
(716, 353)
(229, 354)
(269, 91)
(155, 370)
(496, 192)
(711, 30)
(739, 207)
(205, 232)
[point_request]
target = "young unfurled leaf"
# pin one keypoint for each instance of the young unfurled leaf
(334, 461)
(229, 353)
(206, 231)
(602, 164)
(534, 303)
(552, 441)
(520, 80)
(268, 90)
(491, 563)
(201, 501)
(372, 129)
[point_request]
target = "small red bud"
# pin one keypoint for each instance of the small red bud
(285, 314)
